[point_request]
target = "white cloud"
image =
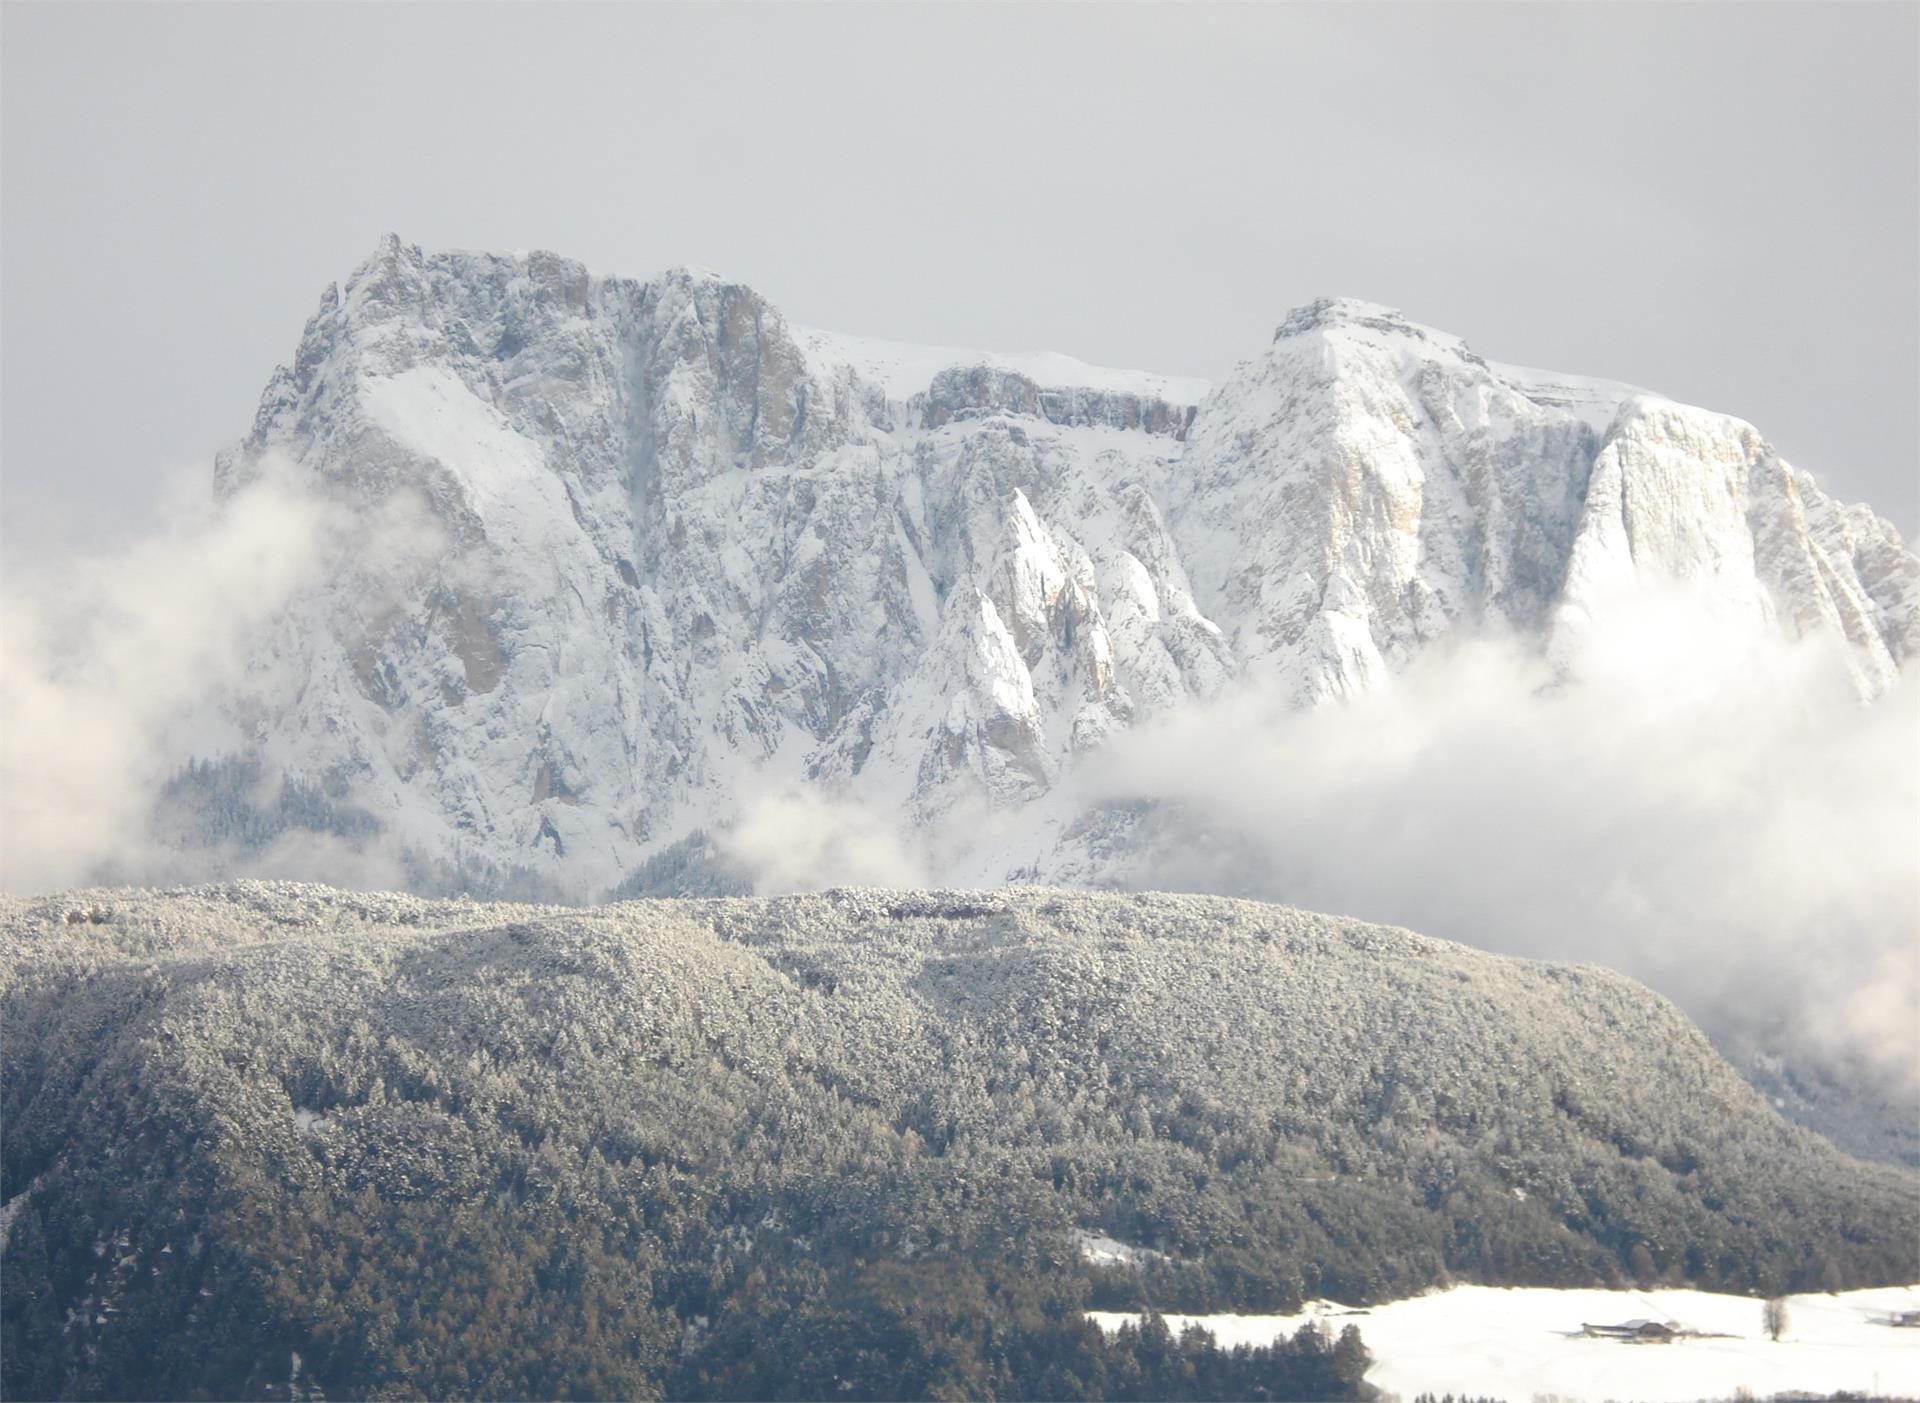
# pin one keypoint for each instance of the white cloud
(107, 664)
(801, 840)
(1691, 801)
(118, 665)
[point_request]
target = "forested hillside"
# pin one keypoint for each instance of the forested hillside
(266, 1139)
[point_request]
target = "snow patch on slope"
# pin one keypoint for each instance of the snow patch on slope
(308, 1121)
(431, 410)
(1105, 1251)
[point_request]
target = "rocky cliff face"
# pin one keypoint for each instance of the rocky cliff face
(1368, 487)
(649, 549)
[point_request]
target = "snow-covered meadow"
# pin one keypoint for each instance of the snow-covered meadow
(1525, 1343)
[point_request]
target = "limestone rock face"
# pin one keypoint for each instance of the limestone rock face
(647, 549)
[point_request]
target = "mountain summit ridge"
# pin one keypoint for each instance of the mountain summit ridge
(680, 550)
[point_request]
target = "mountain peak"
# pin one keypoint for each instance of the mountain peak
(1353, 315)
(764, 540)
(387, 250)
(1342, 311)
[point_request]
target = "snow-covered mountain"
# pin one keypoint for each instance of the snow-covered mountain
(637, 551)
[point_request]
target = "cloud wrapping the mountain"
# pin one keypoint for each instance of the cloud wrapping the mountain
(102, 666)
(1685, 797)
(120, 665)
(799, 839)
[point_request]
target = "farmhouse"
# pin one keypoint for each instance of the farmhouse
(1635, 1331)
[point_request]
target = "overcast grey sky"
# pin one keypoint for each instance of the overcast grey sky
(1722, 202)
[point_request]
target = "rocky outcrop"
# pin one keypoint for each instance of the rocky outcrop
(972, 392)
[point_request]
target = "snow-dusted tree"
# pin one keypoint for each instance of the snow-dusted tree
(1773, 1317)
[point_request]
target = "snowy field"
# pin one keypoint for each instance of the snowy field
(1526, 1343)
